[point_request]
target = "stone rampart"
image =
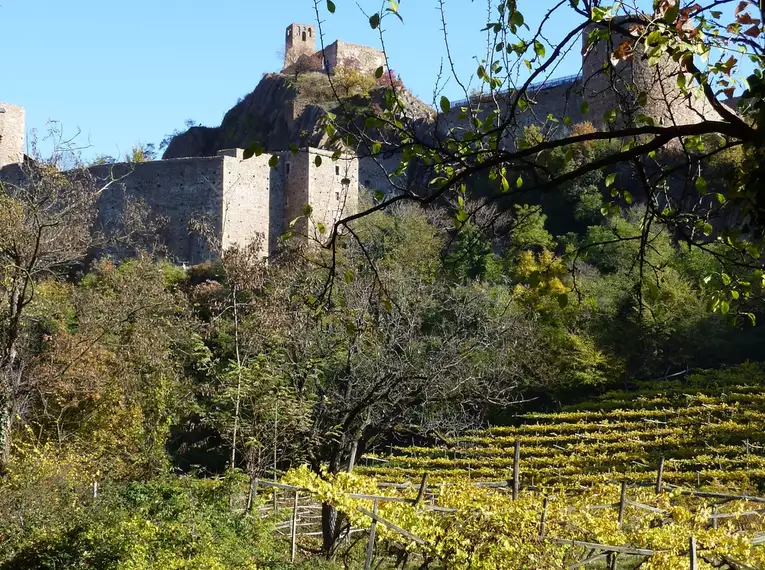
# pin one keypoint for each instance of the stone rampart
(341, 53)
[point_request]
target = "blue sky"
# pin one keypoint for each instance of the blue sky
(131, 72)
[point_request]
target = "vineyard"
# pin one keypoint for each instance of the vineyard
(709, 427)
(664, 476)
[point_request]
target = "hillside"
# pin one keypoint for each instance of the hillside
(709, 427)
(286, 110)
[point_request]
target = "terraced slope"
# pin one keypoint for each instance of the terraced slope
(709, 427)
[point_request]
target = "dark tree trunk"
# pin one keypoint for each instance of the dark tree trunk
(330, 527)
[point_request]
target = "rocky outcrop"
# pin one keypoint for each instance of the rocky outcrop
(276, 115)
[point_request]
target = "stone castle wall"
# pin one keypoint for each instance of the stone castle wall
(238, 201)
(252, 201)
(664, 100)
(12, 134)
(172, 194)
(331, 189)
(339, 53)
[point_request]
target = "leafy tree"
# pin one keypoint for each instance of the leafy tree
(703, 50)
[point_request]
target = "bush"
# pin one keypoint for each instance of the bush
(168, 524)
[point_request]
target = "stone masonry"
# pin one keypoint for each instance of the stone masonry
(300, 39)
(12, 130)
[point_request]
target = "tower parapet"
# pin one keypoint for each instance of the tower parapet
(12, 129)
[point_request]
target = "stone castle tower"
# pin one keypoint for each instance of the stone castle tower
(662, 99)
(300, 39)
(12, 129)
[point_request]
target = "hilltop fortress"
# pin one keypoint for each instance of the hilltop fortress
(204, 176)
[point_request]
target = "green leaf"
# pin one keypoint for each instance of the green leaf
(322, 229)
(387, 304)
(331, 6)
(752, 318)
(725, 279)
(610, 179)
(379, 72)
(349, 276)
(628, 197)
(563, 300)
(724, 307)
(610, 116)
(379, 195)
(519, 182)
(707, 229)
(701, 185)
(307, 210)
(374, 21)
(585, 108)
(446, 105)
(671, 14)
(255, 149)
(274, 161)
(317, 161)
(516, 18)
(539, 48)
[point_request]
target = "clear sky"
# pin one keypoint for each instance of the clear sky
(131, 72)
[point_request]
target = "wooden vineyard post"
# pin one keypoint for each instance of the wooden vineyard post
(543, 519)
(660, 476)
(421, 492)
(293, 551)
(714, 516)
(516, 469)
(622, 502)
(371, 544)
(692, 554)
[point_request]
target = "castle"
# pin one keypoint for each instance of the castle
(244, 201)
(300, 40)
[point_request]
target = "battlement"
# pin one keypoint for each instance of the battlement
(12, 134)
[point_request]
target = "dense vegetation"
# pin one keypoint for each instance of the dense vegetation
(548, 279)
(136, 372)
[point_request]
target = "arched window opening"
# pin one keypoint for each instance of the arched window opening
(310, 33)
(304, 38)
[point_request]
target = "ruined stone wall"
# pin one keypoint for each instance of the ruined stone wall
(12, 134)
(373, 173)
(339, 52)
(252, 193)
(174, 194)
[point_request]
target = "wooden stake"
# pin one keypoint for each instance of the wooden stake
(543, 520)
(622, 502)
(714, 518)
(95, 489)
(517, 469)
(294, 526)
(423, 487)
(371, 544)
(692, 553)
(660, 476)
